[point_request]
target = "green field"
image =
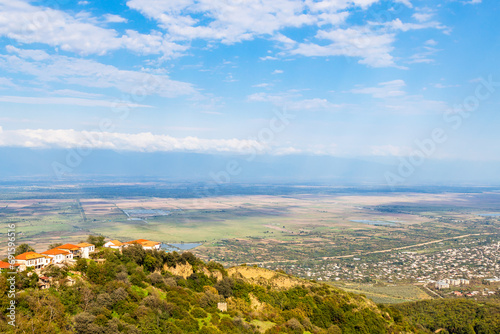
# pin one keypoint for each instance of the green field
(386, 294)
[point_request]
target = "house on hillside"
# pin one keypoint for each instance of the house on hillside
(73, 249)
(114, 244)
(32, 259)
(82, 249)
(146, 244)
(86, 249)
(58, 255)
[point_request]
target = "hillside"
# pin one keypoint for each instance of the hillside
(156, 292)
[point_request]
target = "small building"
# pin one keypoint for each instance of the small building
(114, 244)
(146, 244)
(442, 285)
(32, 259)
(222, 307)
(86, 249)
(58, 255)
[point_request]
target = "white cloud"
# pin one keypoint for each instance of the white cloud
(383, 90)
(431, 42)
(74, 101)
(142, 142)
(372, 47)
(89, 73)
(397, 24)
(6, 82)
(291, 102)
(111, 18)
(74, 93)
(26, 23)
(229, 22)
(277, 72)
(262, 85)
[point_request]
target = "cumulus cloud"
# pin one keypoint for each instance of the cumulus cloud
(374, 48)
(141, 142)
(26, 23)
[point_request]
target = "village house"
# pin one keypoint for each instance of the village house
(32, 259)
(58, 255)
(82, 249)
(73, 249)
(86, 249)
(114, 244)
(146, 244)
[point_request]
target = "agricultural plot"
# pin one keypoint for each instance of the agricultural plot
(392, 294)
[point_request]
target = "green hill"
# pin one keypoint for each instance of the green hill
(156, 292)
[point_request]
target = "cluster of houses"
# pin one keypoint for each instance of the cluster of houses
(66, 253)
(61, 254)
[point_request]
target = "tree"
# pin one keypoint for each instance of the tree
(97, 240)
(23, 248)
(81, 265)
(52, 246)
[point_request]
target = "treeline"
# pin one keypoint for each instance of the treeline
(452, 316)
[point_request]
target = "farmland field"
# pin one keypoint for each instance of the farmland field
(290, 224)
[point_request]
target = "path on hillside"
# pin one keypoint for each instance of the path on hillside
(433, 292)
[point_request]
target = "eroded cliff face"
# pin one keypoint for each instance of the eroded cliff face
(185, 270)
(266, 277)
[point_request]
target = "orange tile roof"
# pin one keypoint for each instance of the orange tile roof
(29, 256)
(84, 244)
(55, 251)
(149, 243)
(143, 242)
(69, 246)
(4, 265)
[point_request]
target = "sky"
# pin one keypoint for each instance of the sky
(361, 78)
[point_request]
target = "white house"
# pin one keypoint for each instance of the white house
(114, 244)
(32, 259)
(85, 249)
(58, 255)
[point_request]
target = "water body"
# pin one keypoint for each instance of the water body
(489, 214)
(374, 222)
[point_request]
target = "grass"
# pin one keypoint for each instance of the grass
(262, 326)
(386, 294)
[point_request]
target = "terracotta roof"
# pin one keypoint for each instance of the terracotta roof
(4, 265)
(84, 244)
(55, 251)
(116, 242)
(29, 256)
(143, 242)
(149, 243)
(69, 246)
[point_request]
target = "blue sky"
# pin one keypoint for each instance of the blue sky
(362, 78)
